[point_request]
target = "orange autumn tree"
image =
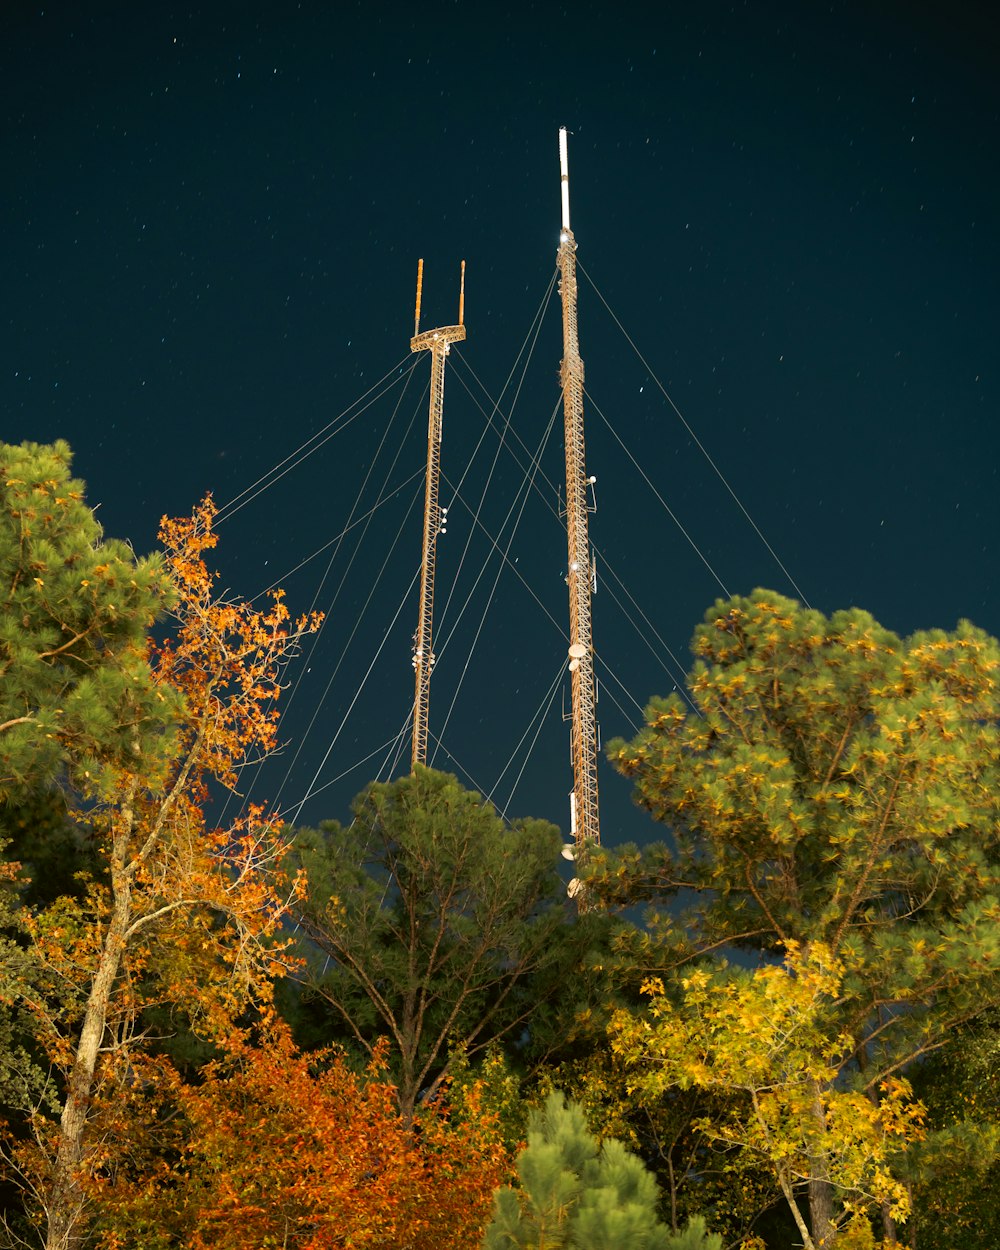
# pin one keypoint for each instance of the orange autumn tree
(273, 1147)
(182, 912)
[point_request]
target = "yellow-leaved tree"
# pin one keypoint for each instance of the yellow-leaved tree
(768, 1041)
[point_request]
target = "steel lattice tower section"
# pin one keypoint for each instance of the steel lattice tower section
(584, 818)
(438, 342)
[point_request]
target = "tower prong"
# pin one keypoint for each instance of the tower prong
(420, 284)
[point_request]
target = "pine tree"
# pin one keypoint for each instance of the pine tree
(76, 691)
(580, 1194)
(439, 926)
(77, 700)
(835, 786)
(955, 1172)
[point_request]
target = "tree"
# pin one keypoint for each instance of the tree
(55, 851)
(75, 688)
(442, 928)
(767, 1038)
(75, 693)
(669, 1126)
(834, 784)
(955, 1172)
(582, 1194)
(271, 1147)
(23, 1083)
(182, 912)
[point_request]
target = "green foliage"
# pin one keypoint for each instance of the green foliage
(23, 1082)
(836, 784)
(495, 1090)
(56, 852)
(835, 797)
(76, 695)
(955, 1172)
(75, 688)
(581, 1194)
(665, 1125)
(695, 1236)
(437, 925)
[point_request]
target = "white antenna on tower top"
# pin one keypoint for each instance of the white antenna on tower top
(564, 176)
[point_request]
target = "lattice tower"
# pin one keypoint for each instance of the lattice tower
(585, 820)
(438, 342)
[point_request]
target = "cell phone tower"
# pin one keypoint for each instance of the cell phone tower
(438, 342)
(585, 823)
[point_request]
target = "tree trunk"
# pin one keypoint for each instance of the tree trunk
(889, 1227)
(786, 1188)
(785, 1181)
(821, 1196)
(911, 1226)
(407, 1089)
(65, 1201)
(824, 1230)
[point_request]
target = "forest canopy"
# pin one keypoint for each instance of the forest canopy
(230, 1032)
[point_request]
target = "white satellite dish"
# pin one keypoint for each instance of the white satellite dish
(577, 651)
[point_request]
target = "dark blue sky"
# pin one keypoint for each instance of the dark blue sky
(211, 225)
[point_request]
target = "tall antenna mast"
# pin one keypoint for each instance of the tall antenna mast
(584, 819)
(438, 342)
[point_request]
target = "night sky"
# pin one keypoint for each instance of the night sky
(211, 223)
